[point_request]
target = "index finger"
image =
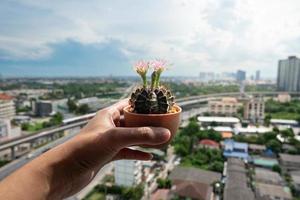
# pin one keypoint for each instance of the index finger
(121, 105)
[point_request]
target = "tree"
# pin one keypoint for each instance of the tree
(72, 105)
(216, 166)
(83, 109)
(56, 119)
(164, 183)
(276, 168)
(25, 126)
(274, 145)
(267, 119)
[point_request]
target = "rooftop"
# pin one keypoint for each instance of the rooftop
(265, 162)
(236, 181)
(256, 147)
(273, 191)
(218, 119)
(267, 176)
(193, 190)
(284, 121)
(4, 96)
(289, 158)
(160, 194)
(194, 174)
(209, 143)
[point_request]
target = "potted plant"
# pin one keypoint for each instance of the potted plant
(152, 104)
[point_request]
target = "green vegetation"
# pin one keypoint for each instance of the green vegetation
(288, 110)
(192, 89)
(185, 144)
(3, 162)
(132, 193)
(185, 90)
(204, 158)
(276, 168)
(33, 127)
(164, 183)
(81, 110)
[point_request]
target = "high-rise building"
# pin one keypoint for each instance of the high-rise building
(257, 75)
(240, 75)
(7, 107)
(288, 75)
(128, 172)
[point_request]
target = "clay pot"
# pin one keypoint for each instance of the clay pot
(170, 121)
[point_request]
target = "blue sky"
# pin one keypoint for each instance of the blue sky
(94, 37)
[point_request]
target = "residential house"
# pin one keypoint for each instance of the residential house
(235, 149)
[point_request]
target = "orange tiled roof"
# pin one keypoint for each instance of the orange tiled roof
(226, 135)
(4, 96)
(209, 142)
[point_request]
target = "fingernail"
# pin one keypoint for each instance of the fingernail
(164, 133)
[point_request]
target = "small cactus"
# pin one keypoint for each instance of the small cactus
(153, 99)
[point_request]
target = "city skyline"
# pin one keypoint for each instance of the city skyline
(103, 38)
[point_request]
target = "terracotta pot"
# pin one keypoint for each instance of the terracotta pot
(170, 121)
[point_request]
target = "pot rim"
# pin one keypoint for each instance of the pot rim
(153, 115)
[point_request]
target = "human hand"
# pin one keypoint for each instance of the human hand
(66, 169)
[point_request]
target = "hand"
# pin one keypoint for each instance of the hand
(66, 169)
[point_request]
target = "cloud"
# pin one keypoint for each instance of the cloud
(195, 35)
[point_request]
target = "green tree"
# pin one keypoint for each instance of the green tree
(276, 168)
(72, 105)
(274, 145)
(164, 183)
(83, 109)
(267, 119)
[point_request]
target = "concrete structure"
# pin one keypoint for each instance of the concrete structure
(240, 75)
(228, 106)
(194, 183)
(235, 149)
(7, 131)
(265, 191)
(42, 108)
(128, 172)
(290, 162)
(236, 185)
(254, 109)
(7, 107)
(288, 75)
(284, 97)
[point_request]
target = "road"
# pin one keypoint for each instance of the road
(11, 167)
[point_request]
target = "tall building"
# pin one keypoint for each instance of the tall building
(128, 172)
(257, 75)
(288, 75)
(7, 107)
(254, 109)
(240, 75)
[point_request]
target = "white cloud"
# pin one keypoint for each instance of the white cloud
(196, 35)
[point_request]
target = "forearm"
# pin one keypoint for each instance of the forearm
(41, 178)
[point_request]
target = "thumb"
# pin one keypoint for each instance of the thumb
(124, 137)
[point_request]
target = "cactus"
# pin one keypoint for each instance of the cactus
(153, 99)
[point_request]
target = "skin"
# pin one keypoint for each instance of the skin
(69, 167)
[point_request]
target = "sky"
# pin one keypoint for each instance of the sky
(98, 38)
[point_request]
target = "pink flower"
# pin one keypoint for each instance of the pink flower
(141, 67)
(159, 65)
